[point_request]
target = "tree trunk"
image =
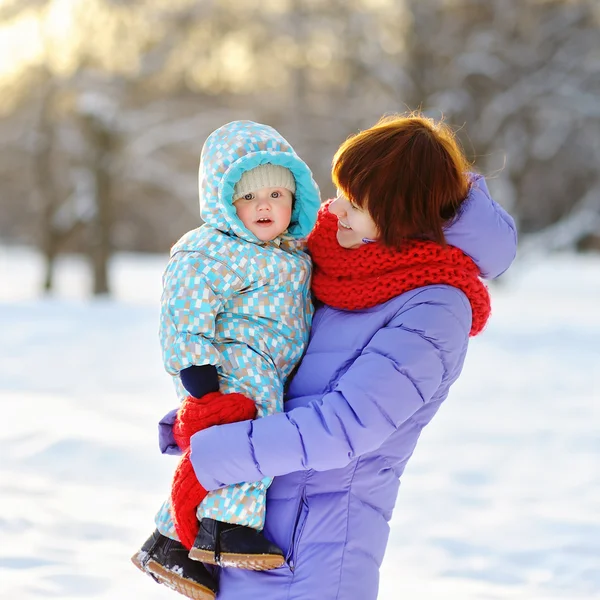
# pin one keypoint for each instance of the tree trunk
(101, 142)
(43, 176)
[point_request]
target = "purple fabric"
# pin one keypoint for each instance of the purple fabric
(368, 384)
(166, 440)
(197, 381)
(483, 224)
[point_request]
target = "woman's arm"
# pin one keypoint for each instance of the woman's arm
(396, 374)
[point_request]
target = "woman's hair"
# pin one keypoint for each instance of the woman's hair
(408, 172)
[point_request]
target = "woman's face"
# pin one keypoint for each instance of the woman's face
(354, 224)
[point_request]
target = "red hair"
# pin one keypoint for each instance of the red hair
(408, 172)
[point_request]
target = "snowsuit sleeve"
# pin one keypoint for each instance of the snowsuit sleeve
(195, 289)
(399, 371)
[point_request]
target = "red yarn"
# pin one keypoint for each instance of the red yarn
(194, 415)
(362, 277)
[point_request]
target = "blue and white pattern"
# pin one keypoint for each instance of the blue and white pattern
(235, 302)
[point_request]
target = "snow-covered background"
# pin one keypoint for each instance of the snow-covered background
(501, 500)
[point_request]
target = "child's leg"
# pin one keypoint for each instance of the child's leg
(240, 504)
(166, 560)
(164, 521)
(232, 518)
(231, 521)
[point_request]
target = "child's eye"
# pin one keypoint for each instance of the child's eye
(275, 194)
(248, 196)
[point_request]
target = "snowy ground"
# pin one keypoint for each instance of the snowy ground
(501, 499)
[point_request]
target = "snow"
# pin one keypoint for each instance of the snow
(500, 500)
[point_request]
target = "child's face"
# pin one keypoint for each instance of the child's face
(266, 212)
(354, 223)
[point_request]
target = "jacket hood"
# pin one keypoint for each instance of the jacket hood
(238, 147)
(483, 230)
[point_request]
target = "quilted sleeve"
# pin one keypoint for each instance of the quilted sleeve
(195, 290)
(399, 371)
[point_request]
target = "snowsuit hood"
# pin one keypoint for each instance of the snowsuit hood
(236, 148)
(483, 230)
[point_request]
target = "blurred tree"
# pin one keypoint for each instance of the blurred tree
(524, 78)
(44, 176)
(97, 118)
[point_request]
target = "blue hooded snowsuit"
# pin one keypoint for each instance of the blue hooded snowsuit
(235, 302)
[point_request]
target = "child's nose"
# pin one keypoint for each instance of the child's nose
(262, 202)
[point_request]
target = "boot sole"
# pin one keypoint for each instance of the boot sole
(186, 587)
(251, 562)
(204, 556)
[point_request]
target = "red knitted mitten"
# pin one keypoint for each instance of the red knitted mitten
(214, 408)
(194, 415)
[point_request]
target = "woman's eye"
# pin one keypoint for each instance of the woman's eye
(341, 196)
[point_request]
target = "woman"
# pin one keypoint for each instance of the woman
(397, 258)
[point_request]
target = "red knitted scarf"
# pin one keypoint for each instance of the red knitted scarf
(371, 274)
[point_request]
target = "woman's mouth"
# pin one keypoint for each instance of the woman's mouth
(343, 226)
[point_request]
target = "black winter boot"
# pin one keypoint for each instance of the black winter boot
(228, 545)
(167, 562)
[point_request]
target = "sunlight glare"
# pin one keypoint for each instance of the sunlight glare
(20, 45)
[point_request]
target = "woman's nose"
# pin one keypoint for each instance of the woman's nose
(335, 207)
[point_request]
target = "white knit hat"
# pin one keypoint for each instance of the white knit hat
(264, 176)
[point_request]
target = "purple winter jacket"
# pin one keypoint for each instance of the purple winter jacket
(370, 381)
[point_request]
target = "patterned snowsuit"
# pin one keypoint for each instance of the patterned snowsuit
(235, 302)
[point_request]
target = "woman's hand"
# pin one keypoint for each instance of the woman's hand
(166, 439)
